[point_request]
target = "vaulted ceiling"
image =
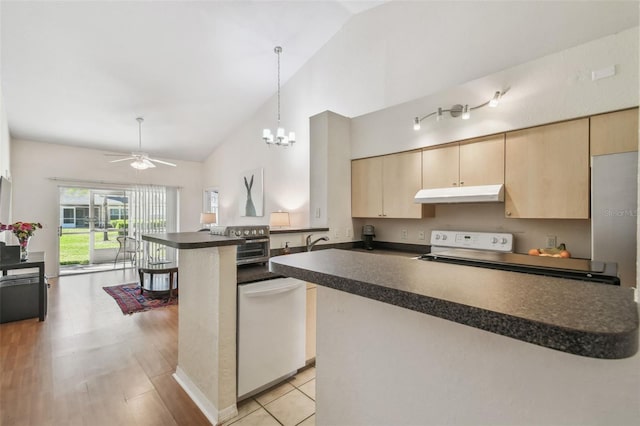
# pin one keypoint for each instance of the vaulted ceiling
(79, 72)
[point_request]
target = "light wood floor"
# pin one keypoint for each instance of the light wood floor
(88, 364)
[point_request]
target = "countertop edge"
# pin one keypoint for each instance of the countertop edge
(192, 240)
(577, 342)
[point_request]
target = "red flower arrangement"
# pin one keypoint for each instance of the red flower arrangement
(22, 230)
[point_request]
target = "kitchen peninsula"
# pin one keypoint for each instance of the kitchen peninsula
(415, 342)
(207, 319)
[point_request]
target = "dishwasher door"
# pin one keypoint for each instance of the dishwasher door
(271, 332)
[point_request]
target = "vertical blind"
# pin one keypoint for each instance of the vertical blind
(153, 209)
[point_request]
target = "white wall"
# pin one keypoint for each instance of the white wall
(553, 88)
(35, 195)
(5, 142)
(5, 151)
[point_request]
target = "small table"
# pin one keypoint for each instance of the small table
(36, 260)
(156, 286)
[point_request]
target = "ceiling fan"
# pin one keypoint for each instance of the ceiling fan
(141, 160)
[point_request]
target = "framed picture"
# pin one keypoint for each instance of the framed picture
(252, 196)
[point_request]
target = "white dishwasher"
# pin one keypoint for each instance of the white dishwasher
(271, 332)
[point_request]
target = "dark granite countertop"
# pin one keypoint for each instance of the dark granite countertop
(252, 273)
(192, 240)
(588, 319)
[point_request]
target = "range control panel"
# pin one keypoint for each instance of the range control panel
(495, 241)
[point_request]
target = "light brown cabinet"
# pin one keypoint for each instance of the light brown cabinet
(547, 171)
(614, 132)
(473, 162)
(385, 186)
(310, 346)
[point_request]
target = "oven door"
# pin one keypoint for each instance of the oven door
(253, 251)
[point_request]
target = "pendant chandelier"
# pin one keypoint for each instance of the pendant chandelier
(280, 137)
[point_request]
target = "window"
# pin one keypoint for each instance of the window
(68, 216)
(211, 202)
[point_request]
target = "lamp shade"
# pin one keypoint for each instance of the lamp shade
(208, 218)
(279, 219)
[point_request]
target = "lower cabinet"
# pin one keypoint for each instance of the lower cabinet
(310, 348)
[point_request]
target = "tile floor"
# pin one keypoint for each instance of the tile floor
(291, 403)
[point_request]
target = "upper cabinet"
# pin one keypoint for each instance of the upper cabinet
(366, 187)
(614, 132)
(385, 187)
(473, 162)
(547, 171)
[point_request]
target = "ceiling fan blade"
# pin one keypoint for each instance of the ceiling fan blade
(122, 159)
(162, 162)
(147, 162)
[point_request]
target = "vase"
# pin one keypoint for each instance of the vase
(24, 248)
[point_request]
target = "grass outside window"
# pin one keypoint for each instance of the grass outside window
(74, 245)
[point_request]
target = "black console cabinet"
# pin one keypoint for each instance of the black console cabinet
(23, 296)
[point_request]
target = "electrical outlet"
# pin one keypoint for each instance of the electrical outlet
(349, 232)
(552, 241)
(421, 235)
(317, 212)
(404, 234)
(336, 233)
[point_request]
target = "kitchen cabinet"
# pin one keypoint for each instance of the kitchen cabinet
(310, 347)
(547, 171)
(614, 132)
(473, 162)
(385, 186)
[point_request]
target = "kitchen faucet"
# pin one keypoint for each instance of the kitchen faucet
(310, 244)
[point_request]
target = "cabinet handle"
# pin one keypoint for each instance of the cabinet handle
(454, 184)
(461, 183)
(508, 213)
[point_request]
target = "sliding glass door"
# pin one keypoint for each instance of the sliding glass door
(91, 220)
(87, 228)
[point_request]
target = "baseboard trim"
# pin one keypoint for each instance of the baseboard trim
(210, 411)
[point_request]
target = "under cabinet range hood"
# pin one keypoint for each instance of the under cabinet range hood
(461, 194)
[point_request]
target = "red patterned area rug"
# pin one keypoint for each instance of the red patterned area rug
(128, 297)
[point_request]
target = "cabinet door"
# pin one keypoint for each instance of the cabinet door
(482, 161)
(401, 177)
(310, 348)
(366, 187)
(440, 167)
(614, 132)
(547, 171)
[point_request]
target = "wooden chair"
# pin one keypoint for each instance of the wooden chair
(128, 246)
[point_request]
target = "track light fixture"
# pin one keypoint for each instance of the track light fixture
(458, 110)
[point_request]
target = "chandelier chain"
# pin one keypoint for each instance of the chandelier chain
(278, 51)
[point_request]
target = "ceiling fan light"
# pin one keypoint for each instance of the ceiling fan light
(139, 165)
